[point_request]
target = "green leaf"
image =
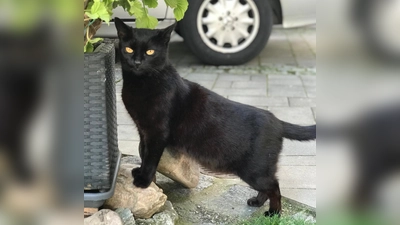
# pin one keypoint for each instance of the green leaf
(88, 47)
(151, 3)
(146, 21)
(180, 9)
(136, 8)
(105, 15)
(100, 9)
(171, 3)
(125, 4)
(92, 16)
(95, 40)
(109, 3)
(95, 7)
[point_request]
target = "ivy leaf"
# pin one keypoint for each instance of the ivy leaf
(151, 3)
(171, 3)
(146, 21)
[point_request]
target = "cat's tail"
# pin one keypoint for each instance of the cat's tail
(300, 133)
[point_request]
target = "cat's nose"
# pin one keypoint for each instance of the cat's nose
(137, 62)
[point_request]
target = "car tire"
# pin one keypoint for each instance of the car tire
(202, 17)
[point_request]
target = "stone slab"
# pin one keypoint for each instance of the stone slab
(300, 177)
(244, 92)
(302, 102)
(128, 133)
(304, 196)
(231, 77)
(294, 160)
(286, 91)
(297, 148)
(260, 100)
(296, 115)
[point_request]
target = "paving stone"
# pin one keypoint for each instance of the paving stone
(260, 78)
(297, 148)
(299, 45)
(223, 84)
(245, 92)
(253, 62)
(284, 80)
(309, 80)
(305, 196)
(306, 62)
(311, 92)
(230, 77)
(128, 133)
(294, 160)
(260, 100)
(201, 76)
(124, 118)
(129, 147)
(300, 177)
(296, 115)
(314, 109)
(205, 83)
(249, 84)
(296, 102)
(286, 91)
(118, 98)
(283, 60)
(118, 89)
(121, 107)
(279, 51)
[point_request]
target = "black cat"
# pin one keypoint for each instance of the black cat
(221, 135)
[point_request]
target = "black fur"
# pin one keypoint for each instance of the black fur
(222, 135)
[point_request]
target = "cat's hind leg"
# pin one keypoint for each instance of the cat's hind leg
(274, 193)
(259, 200)
(268, 188)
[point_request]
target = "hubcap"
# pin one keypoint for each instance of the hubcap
(228, 26)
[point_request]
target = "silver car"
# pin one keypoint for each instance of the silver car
(227, 32)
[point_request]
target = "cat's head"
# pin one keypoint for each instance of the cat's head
(143, 50)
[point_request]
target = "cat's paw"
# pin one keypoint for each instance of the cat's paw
(272, 213)
(136, 171)
(254, 202)
(139, 179)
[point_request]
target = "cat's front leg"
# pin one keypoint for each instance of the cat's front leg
(142, 147)
(143, 176)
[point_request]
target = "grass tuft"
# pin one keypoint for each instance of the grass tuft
(262, 220)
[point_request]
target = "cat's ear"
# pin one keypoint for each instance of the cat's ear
(166, 33)
(123, 30)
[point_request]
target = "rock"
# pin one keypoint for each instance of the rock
(103, 217)
(179, 168)
(131, 159)
(143, 203)
(126, 216)
(167, 216)
(304, 216)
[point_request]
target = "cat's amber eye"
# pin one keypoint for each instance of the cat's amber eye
(150, 52)
(128, 50)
